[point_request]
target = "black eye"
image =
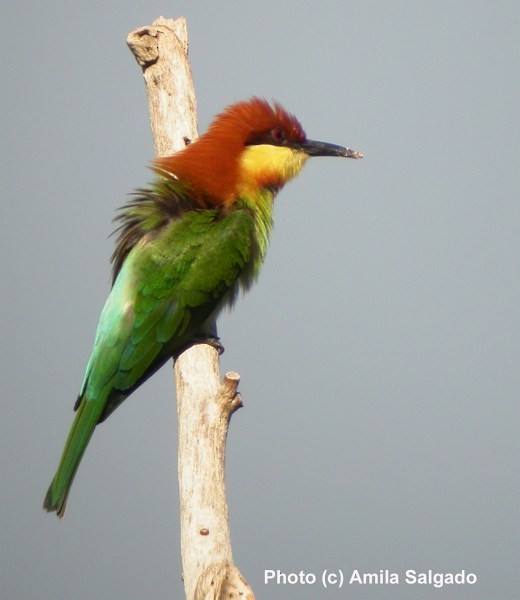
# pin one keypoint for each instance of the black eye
(278, 135)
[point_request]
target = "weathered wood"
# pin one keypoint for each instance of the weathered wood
(204, 405)
(161, 51)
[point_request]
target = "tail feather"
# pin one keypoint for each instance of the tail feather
(85, 421)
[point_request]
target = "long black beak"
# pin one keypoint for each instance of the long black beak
(314, 148)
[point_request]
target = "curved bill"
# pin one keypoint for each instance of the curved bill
(314, 148)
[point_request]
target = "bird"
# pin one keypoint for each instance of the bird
(186, 245)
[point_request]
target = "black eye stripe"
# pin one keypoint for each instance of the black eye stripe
(274, 136)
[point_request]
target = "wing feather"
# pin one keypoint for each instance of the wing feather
(167, 287)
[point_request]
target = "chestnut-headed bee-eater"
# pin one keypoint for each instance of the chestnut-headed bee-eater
(187, 244)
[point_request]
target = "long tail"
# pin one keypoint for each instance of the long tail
(81, 431)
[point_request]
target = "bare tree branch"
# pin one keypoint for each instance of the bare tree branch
(204, 405)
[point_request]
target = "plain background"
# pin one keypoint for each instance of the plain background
(379, 351)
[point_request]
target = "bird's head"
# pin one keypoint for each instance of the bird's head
(250, 146)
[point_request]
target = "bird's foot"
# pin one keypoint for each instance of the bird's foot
(212, 340)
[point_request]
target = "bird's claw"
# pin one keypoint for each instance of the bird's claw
(211, 340)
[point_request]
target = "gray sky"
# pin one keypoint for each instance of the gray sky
(378, 351)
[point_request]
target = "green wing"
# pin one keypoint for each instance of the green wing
(170, 283)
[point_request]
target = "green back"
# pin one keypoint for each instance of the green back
(168, 286)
